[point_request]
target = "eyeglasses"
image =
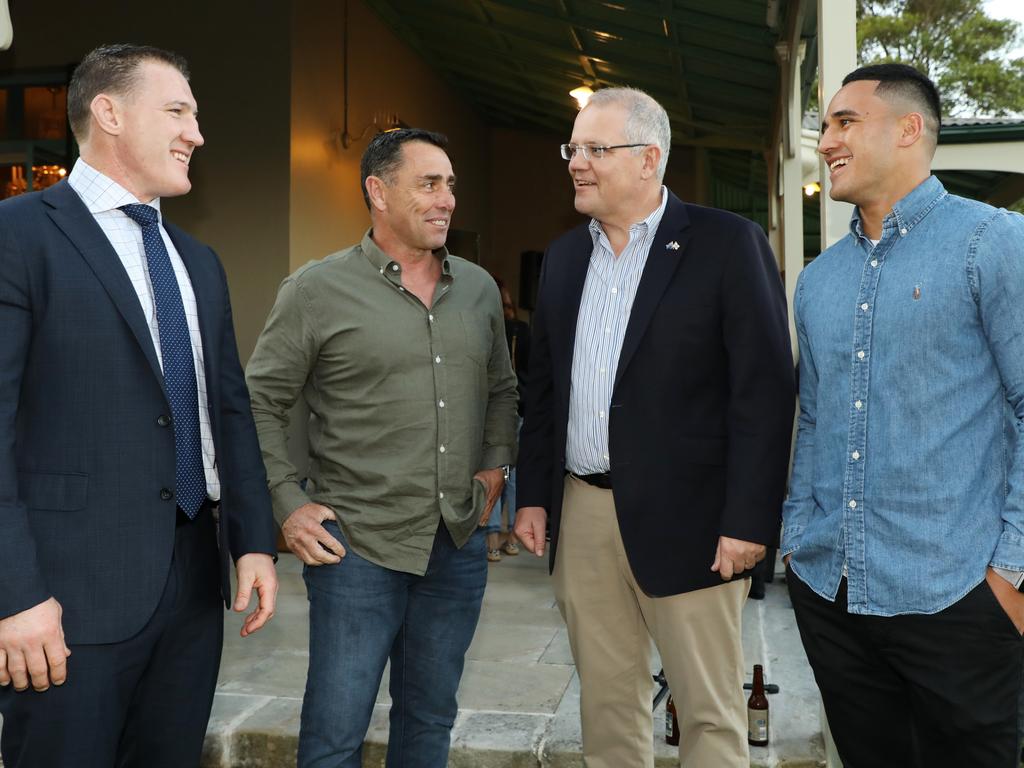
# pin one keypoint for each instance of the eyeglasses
(592, 150)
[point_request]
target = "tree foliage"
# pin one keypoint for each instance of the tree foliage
(961, 48)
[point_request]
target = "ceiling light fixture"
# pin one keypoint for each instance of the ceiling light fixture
(582, 95)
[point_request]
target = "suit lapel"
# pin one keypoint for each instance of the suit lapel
(662, 262)
(578, 255)
(71, 216)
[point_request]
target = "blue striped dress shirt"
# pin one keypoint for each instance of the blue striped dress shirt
(600, 329)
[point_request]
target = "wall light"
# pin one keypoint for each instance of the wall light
(582, 95)
(812, 189)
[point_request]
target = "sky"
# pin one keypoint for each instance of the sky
(1007, 9)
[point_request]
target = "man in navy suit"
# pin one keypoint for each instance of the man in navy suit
(658, 416)
(127, 447)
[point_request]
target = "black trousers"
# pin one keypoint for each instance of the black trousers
(140, 703)
(915, 690)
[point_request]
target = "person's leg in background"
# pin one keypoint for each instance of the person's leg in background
(508, 500)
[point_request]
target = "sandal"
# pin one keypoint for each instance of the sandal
(493, 556)
(511, 548)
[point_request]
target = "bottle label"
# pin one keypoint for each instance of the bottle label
(668, 721)
(757, 725)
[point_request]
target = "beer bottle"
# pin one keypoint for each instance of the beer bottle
(671, 723)
(757, 711)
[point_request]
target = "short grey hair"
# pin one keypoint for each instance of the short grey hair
(646, 120)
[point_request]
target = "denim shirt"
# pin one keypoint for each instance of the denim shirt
(908, 467)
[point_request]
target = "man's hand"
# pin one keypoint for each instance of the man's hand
(786, 559)
(307, 538)
(256, 571)
(32, 648)
(1009, 598)
(735, 555)
(494, 483)
(531, 528)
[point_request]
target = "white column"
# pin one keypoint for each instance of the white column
(791, 185)
(837, 57)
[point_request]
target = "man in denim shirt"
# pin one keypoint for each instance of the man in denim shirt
(904, 528)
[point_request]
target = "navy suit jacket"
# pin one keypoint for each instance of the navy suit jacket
(701, 415)
(85, 457)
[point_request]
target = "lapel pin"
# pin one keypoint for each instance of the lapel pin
(672, 246)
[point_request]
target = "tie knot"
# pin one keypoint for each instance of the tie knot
(142, 215)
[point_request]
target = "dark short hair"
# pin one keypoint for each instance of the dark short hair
(111, 69)
(904, 82)
(383, 155)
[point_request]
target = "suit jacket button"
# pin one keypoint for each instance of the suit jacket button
(163, 420)
(166, 494)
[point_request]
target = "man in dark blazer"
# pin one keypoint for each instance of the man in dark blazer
(124, 425)
(659, 410)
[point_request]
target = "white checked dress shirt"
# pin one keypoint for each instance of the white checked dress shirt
(103, 196)
(605, 307)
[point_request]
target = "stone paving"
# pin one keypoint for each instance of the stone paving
(519, 698)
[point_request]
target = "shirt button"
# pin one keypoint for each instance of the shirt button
(166, 494)
(382, 270)
(441, 449)
(615, 290)
(440, 495)
(874, 262)
(856, 455)
(903, 231)
(853, 503)
(858, 405)
(437, 359)
(440, 403)
(401, 288)
(163, 420)
(430, 318)
(864, 306)
(394, 267)
(860, 354)
(606, 457)
(607, 330)
(600, 414)
(604, 370)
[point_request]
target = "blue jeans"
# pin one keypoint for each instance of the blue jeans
(362, 614)
(508, 500)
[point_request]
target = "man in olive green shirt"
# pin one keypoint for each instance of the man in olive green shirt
(398, 349)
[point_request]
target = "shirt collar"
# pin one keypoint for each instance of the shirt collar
(907, 212)
(649, 224)
(99, 192)
(384, 263)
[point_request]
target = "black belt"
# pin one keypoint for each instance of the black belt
(598, 480)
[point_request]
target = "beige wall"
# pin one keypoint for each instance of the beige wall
(240, 77)
(327, 211)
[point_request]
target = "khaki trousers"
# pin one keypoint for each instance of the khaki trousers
(611, 622)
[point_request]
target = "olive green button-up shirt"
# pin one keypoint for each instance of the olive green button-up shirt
(407, 403)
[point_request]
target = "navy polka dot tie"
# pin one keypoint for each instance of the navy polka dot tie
(179, 368)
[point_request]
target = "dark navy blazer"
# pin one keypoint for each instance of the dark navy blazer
(701, 415)
(86, 448)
